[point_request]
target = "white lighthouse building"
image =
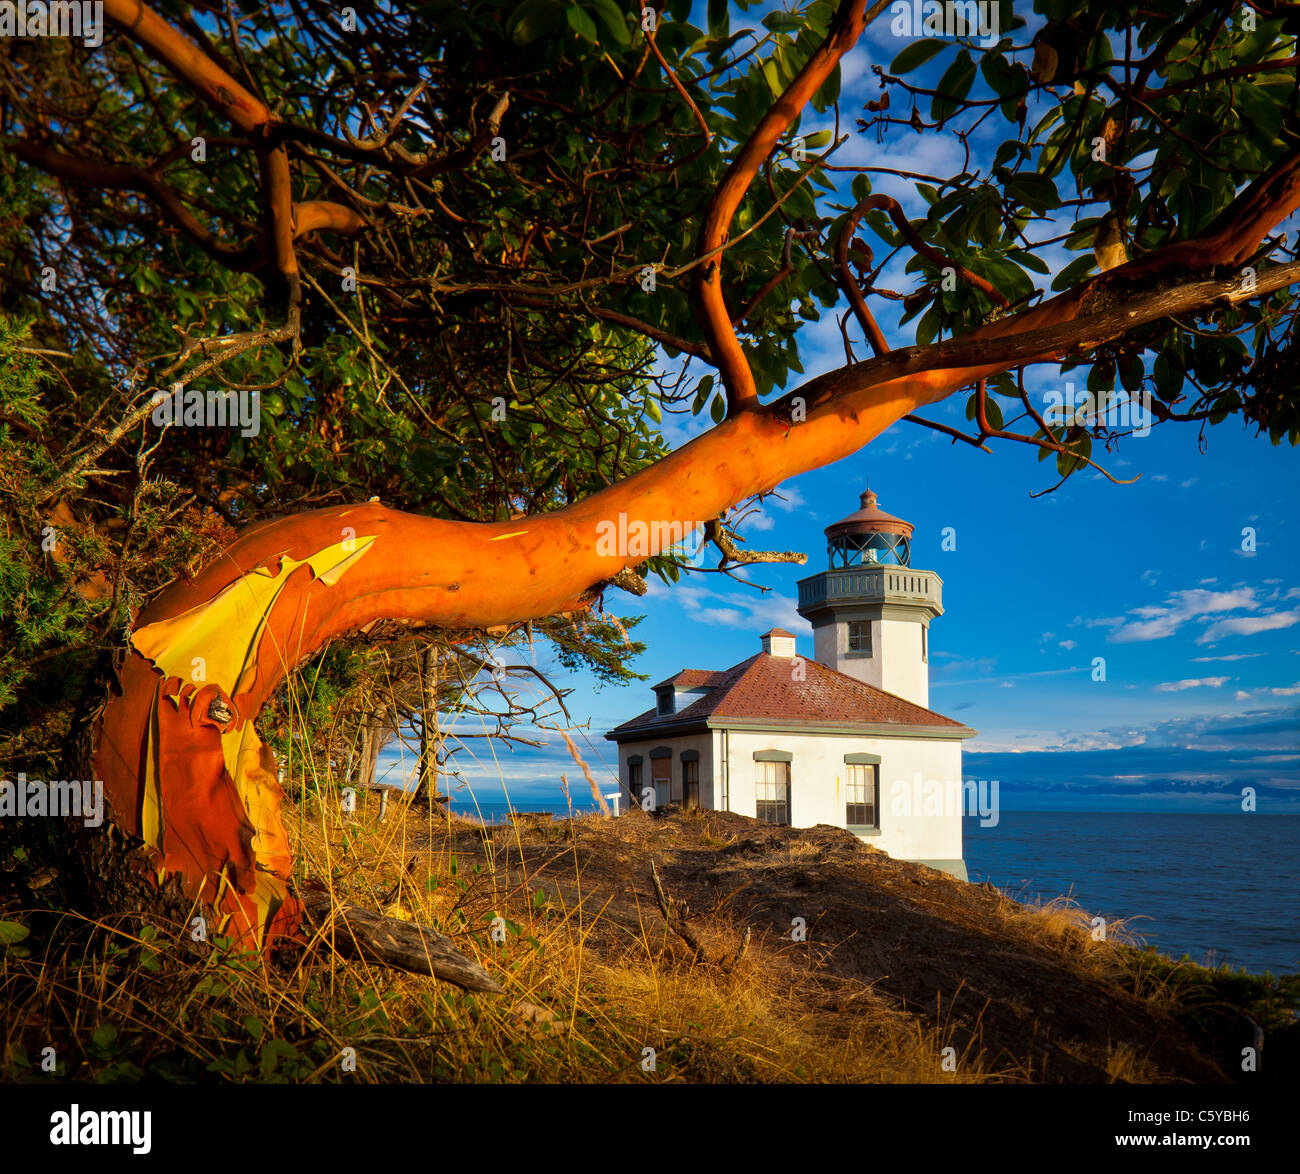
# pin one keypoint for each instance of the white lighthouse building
(846, 738)
(871, 610)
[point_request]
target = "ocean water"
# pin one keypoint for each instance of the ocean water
(498, 812)
(1219, 888)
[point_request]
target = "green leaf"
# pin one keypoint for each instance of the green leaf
(828, 92)
(928, 327)
(718, 409)
(773, 77)
(702, 390)
(999, 75)
(1169, 374)
(1102, 376)
(1034, 191)
(916, 55)
(1131, 372)
(953, 86)
(780, 22)
(581, 24)
(11, 932)
(1029, 261)
(1074, 272)
(718, 18)
(533, 19)
(614, 20)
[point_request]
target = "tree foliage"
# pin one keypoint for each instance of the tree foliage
(465, 256)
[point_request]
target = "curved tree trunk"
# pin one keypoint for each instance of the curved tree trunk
(181, 761)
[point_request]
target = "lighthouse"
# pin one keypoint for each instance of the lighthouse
(846, 738)
(870, 610)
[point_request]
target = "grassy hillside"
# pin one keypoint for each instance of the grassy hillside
(902, 974)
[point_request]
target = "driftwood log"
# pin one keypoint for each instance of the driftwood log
(357, 932)
(675, 914)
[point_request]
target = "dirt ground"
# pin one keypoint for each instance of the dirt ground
(1029, 996)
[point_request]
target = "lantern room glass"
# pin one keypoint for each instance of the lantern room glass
(852, 550)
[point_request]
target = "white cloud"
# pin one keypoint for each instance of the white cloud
(750, 613)
(790, 499)
(1192, 683)
(1269, 691)
(1248, 625)
(1156, 621)
(1230, 656)
(1069, 645)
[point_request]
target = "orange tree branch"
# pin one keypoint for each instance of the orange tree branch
(292, 584)
(232, 849)
(189, 64)
(870, 327)
(94, 173)
(206, 78)
(707, 291)
(308, 216)
(685, 96)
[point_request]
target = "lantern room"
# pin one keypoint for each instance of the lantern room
(869, 535)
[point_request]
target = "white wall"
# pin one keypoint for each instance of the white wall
(920, 782)
(907, 829)
(897, 645)
(895, 664)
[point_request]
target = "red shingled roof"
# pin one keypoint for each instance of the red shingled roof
(691, 679)
(764, 687)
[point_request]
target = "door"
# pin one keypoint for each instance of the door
(661, 774)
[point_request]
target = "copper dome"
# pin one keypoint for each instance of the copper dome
(870, 519)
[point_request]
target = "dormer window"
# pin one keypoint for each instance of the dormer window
(667, 700)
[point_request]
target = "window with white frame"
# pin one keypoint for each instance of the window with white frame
(772, 792)
(862, 788)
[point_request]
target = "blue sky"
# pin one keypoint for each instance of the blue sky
(1200, 637)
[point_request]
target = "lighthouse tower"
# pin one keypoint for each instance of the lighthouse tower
(871, 609)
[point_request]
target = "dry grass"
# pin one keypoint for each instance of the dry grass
(1066, 926)
(122, 999)
(593, 975)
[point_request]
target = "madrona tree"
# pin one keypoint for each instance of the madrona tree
(464, 255)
